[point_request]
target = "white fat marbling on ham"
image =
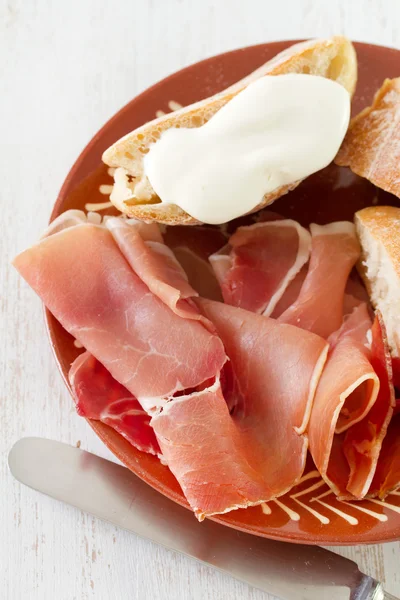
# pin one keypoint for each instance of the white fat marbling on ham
(233, 459)
(157, 266)
(98, 396)
(346, 394)
(88, 285)
(259, 263)
(319, 306)
(235, 433)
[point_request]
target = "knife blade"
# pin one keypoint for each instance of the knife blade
(113, 493)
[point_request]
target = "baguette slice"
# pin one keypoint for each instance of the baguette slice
(133, 194)
(371, 147)
(378, 229)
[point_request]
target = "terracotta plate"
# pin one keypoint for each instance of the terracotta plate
(309, 514)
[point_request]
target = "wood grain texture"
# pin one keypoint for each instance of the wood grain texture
(65, 68)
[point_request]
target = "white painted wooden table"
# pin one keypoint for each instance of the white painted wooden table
(65, 68)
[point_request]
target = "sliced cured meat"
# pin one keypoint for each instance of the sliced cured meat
(156, 265)
(291, 293)
(100, 397)
(149, 232)
(363, 441)
(85, 281)
(356, 288)
(226, 459)
(396, 371)
(265, 346)
(319, 306)
(396, 409)
(70, 218)
(347, 390)
(263, 259)
(221, 263)
(200, 273)
(233, 433)
(192, 247)
(387, 474)
(67, 219)
(355, 293)
(143, 247)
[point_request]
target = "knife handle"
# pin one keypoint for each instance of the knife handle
(112, 493)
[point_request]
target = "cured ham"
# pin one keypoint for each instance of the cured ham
(387, 475)
(70, 218)
(156, 265)
(229, 397)
(396, 371)
(346, 392)
(291, 293)
(260, 261)
(355, 293)
(363, 441)
(192, 247)
(231, 459)
(88, 285)
(319, 306)
(221, 263)
(100, 397)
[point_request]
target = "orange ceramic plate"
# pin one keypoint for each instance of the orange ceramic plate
(308, 514)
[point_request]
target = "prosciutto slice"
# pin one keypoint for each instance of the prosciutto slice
(291, 293)
(396, 371)
(260, 261)
(100, 397)
(192, 247)
(226, 459)
(346, 392)
(319, 306)
(363, 441)
(70, 218)
(387, 475)
(234, 432)
(355, 293)
(156, 265)
(86, 282)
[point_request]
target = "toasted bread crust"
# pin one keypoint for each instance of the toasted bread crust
(371, 147)
(171, 214)
(378, 229)
(334, 58)
(383, 224)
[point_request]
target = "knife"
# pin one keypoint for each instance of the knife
(113, 493)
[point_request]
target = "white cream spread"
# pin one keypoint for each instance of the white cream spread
(277, 131)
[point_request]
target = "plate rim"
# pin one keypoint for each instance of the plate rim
(101, 429)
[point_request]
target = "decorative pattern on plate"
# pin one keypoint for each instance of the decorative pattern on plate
(172, 105)
(105, 189)
(308, 499)
(343, 194)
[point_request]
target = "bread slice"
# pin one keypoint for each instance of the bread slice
(371, 147)
(378, 229)
(133, 194)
